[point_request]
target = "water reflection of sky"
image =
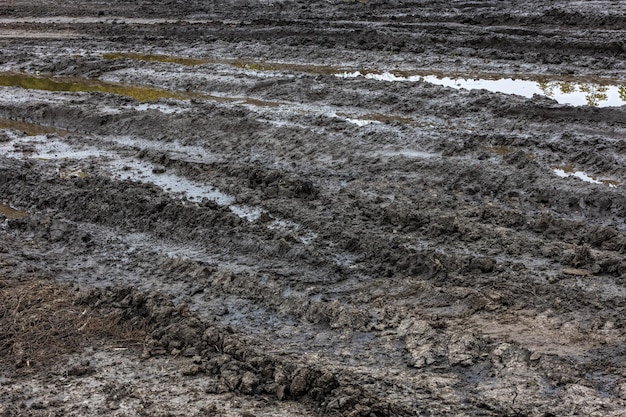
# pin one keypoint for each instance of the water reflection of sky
(576, 94)
(564, 92)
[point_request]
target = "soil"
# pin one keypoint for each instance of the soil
(206, 210)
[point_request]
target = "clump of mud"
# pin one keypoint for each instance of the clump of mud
(240, 365)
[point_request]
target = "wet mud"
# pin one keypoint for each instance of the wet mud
(284, 212)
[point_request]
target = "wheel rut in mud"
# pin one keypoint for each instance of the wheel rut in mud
(302, 208)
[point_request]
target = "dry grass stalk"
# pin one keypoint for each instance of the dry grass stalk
(40, 321)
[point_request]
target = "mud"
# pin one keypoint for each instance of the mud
(285, 213)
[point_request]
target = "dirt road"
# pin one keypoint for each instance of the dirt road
(347, 208)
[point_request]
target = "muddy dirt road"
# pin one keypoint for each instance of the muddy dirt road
(355, 208)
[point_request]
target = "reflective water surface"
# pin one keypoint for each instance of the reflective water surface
(139, 93)
(573, 91)
(570, 171)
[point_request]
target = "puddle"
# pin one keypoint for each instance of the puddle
(245, 64)
(569, 90)
(175, 149)
(369, 118)
(498, 150)
(196, 192)
(139, 93)
(361, 122)
(155, 58)
(75, 85)
(11, 213)
(410, 153)
(28, 34)
(30, 129)
(565, 90)
(251, 214)
(569, 171)
(163, 108)
(147, 173)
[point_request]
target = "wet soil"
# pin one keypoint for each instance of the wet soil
(280, 213)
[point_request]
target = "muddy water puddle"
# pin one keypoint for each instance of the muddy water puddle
(156, 58)
(576, 91)
(409, 153)
(244, 64)
(76, 85)
(498, 150)
(139, 93)
(369, 118)
(568, 90)
(196, 192)
(30, 129)
(565, 171)
(11, 213)
(124, 168)
(146, 95)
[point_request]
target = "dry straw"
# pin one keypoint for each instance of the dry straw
(40, 322)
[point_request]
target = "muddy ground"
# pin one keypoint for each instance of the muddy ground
(206, 210)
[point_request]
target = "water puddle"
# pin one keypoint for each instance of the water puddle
(568, 90)
(145, 172)
(156, 58)
(175, 149)
(75, 85)
(196, 192)
(10, 213)
(249, 213)
(498, 150)
(32, 34)
(30, 129)
(139, 93)
(123, 168)
(410, 153)
(565, 171)
(369, 118)
(245, 64)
